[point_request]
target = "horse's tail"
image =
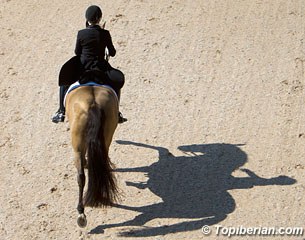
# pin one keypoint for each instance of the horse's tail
(102, 188)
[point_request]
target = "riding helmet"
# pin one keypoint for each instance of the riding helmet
(93, 13)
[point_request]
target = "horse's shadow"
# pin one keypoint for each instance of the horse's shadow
(191, 187)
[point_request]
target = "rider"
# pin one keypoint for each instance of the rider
(90, 46)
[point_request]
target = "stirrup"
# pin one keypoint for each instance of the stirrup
(121, 118)
(58, 117)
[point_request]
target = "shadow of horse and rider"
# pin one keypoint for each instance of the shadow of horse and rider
(194, 186)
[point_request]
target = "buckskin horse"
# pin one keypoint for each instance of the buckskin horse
(93, 117)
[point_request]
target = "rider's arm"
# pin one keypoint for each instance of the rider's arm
(109, 45)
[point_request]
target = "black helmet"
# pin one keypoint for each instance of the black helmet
(93, 14)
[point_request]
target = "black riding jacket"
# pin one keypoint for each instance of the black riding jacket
(91, 43)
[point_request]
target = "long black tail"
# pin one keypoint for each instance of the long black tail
(102, 189)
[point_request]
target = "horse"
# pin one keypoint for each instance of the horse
(92, 113)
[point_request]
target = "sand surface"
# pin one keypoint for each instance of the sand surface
(215, 99)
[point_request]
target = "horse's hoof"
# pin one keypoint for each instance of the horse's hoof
(82, 221)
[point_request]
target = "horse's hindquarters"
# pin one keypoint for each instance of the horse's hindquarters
(93, 118)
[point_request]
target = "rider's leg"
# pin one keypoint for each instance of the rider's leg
(121, 118)
(62, 92)
(59, 116)
(117, 80)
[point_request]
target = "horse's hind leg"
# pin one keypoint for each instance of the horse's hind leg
(79, 160)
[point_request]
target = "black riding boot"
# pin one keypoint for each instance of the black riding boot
(59, 116)
(116, 80)
(121, 118)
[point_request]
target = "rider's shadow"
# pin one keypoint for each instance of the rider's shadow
(191, 187)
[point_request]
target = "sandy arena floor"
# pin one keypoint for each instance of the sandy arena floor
(215, 99)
